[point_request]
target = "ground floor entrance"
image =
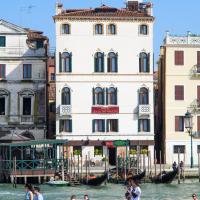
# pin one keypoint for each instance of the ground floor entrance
(112, 156)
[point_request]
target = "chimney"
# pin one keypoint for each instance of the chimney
(132, 5)
(149, 9)
(59, 8)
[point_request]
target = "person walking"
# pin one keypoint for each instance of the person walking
(136, 191)
(37, 194)
(194, 197)
(73, 197)
(86, 197)
(29, 192)
(174, 166)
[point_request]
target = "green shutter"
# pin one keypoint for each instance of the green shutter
(60, 62)
(2, 41)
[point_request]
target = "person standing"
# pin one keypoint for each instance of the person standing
(194, 197)
(29, 192)
(37, 194)
(136, 191)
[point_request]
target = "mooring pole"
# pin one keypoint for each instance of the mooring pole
(179, 177)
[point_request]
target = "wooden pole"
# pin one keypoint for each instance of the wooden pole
(124, 159)
(71, 162)
(160, 164)
(74, 164)
(117, 167)
(199, 165)
(148, 162)
(155, 161)
(88, 163)
(179, 177)
(86, 168)
(78, 169)
(184, 168)
(105, 163)
(81, 167)
(143, 162)
(63, 174)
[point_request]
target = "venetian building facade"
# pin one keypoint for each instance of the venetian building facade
(23, 56)
(179, 92)
(104, 78)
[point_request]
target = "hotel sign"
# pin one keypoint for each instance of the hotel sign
(105, 110)
(121, 143)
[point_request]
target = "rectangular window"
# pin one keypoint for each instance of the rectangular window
(39, 44)
(77, 151)
(2, 106)
(52, 107)
(198, 148)
(27, 106)
(198, 93)
(198, 124)
(65, 29)
(66, 125)
(2, 41)
(179, 92)
(179, 57)
(112, 125)
(27, 71)
(179, 148)
(144, 125)
(98, 151)
(53, 77)
(98, 125)
(198, 60)
(2, 71)
(179, 123)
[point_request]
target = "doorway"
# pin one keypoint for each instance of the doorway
(112, 156)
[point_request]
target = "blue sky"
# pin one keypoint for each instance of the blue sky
(177, 16)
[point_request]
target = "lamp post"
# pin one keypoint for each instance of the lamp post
(189, 126)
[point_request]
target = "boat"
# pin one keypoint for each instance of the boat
(139, 176)
(57, 183)
(95, 180)
(165, 177)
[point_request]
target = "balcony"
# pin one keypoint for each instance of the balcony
(144, 110)
(65, 110)
(21, 52)
(105, 109)
(195, 72)
(3, 119)
(26, 119)
(196, 135)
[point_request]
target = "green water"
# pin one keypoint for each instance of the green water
(108, 192)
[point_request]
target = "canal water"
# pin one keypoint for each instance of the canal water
(108, 192)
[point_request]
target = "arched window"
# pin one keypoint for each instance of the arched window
(66, 96)
(143, 96)
(143, 29)
(98, 96)
(66, 29)
(112, 29)
(99, 62)
(98, 29)
(66, 62)
(112, 62)
(112, 96)
(144, 62)
(4, 94)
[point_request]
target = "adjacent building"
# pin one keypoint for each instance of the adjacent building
(104, 79)
(179, 91)
(23, 62)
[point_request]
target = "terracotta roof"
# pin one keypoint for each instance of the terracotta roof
(35, 35)
(103, 11)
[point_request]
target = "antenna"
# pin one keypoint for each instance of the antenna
(27, 9)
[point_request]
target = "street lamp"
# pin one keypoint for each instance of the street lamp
(189, 126)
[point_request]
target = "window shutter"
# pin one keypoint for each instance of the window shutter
(70, 63)
(179, 57)
(107, 96)
(198, 58)
(95, 63)
(116, 62)
(148, 125)
(140, 64)
(60, 62)
(148, 62)
(70, 126)
(117, 125)
(198, 123)
(102, 62)
(176, 123)
(93, 96)
(116, 96)
(179, 92)
(138, 125)
(93, 125)
(107, 125)
(103, 125)
(109, 64)
(103, 96)
(198, 93)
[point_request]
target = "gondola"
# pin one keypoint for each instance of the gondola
(95, 181)
(167, 177)
(139, 176)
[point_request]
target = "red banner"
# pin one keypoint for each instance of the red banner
(110, 144)
(105, 110)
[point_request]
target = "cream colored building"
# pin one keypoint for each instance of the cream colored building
(179, 91)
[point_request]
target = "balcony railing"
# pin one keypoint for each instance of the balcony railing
(65, 110)
(196, 134)
(27, 119)
(196, 71)
(20, 52)
(144, 110)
